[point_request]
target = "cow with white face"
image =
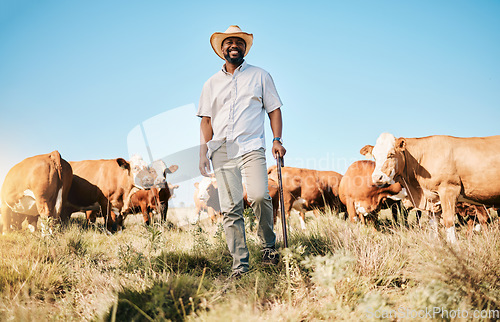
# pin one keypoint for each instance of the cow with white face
(440, 170)
(206, 197)
(386, 163)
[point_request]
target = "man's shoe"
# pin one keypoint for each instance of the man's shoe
(270, 256)
(236, 275)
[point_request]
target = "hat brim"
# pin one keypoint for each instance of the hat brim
(217, 38)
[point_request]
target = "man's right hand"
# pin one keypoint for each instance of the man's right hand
(206, 134)
(205, 168)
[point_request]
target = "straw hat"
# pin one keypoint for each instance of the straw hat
(233, 31)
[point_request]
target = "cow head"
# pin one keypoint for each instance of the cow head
(378, 196)
(144, 177)
(207, 187)
(389, 158)
(159, 170)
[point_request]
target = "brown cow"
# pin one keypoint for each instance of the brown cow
(106, 185)
(304, 189)
(37, 186)
(144, 202)
(361, 196)
(154, 199)
(440, 169)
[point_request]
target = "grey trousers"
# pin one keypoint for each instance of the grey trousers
(230, 174)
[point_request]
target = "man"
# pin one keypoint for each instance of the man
(232, 108)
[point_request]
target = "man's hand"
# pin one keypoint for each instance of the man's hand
(278, 150)
(205, 168)
(206, 133)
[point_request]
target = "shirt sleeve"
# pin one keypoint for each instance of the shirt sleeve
(205, 107)
(270, 96)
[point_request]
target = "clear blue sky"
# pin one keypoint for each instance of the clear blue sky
(78, 76)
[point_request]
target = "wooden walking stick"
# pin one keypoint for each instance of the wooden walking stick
(280, 163)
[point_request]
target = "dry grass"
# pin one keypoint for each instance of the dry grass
(334, 270)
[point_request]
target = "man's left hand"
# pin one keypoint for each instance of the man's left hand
(278, 149)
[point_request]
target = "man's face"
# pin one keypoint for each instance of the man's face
(233, 49)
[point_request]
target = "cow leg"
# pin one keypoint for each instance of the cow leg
(91, 216)
(163, 211)
(362, 219)
(111, 224)
(298, 205)
(418, 217)
(145, 213)
(212, 215)
(66, 212)
(482, 216)
(107, 213)
(448, 197)
(470, 226)
(399, 213)
(351, 211)
(45, 213)
(6, 218)
(32, 223)
(276, 205)
(302, 219)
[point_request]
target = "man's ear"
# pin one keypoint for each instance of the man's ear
(400, 144)
(367, 151)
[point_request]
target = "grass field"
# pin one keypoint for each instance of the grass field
(333, 270)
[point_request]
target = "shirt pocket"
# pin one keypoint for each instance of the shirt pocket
(257, 93)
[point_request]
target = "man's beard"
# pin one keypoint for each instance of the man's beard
(236, 61)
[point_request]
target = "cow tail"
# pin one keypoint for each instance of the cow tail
(56, 159)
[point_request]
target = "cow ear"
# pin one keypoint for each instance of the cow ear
(196, 184)
(367, 151)
(400, 144)
(123, 163)
(170, 169)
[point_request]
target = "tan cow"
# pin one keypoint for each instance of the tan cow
(106, 185)
(37, 186)
(304, 190)
(361, 196)
(440, 169)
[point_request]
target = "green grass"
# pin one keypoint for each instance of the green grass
(333, 270)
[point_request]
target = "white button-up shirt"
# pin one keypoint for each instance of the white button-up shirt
(236, 105)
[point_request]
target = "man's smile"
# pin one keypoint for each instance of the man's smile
(235, 51)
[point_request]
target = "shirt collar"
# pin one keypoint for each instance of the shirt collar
(240, 68)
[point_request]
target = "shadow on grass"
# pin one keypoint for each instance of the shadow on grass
(216, 263)
(172, 300)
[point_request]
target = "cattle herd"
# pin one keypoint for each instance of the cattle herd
(50, 187)
(442, 175)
